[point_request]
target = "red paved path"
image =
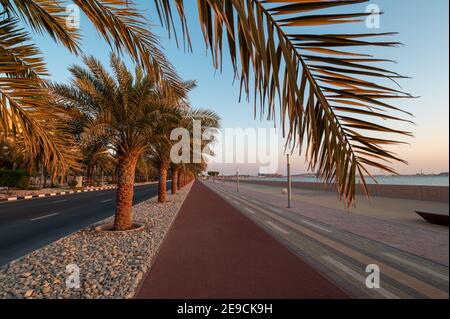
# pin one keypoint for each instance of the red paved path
(213, 251)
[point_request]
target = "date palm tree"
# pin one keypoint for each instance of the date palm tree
(183, 117)
(332, 98)
(120, 110)
(25, 112)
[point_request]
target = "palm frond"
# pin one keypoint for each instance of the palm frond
(45, 16)
(124, 28)
(323, 87)
(26, 113)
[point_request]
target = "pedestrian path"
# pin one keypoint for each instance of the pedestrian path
(214, 251)
(341, 254)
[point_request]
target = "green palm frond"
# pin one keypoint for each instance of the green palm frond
(328, 94)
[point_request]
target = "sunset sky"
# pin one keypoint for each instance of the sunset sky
(423, 27)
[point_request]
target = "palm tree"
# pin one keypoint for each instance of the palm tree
(161, 145)
(182, 117)
(121, 110)
(331, 99)
(24, 101)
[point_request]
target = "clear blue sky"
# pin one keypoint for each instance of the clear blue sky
(423, 27)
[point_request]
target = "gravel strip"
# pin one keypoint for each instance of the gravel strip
(111, 265)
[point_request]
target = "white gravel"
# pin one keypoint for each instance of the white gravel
(111, 265)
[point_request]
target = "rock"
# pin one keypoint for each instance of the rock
(28, 294)
(111, 265)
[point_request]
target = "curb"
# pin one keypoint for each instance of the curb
(16, 198)
(87, 190)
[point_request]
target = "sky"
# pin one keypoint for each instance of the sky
(423, 27)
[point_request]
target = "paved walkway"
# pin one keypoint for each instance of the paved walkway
(214, 251)
(342, 245)
(391, 221)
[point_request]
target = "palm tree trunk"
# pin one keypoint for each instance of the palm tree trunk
(125, 188)
(180, 176)
(175, 172)
(162, 189)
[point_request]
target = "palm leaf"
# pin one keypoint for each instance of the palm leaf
(125, 29)
(26, 113)
(321, 84)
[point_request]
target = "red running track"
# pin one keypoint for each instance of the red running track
(213, 251)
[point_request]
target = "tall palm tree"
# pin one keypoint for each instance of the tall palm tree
(24, 101)
(182, 117)
(121, 111)
(330, 97)
(161, 145)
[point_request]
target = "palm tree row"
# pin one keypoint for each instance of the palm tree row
(128, 116)
(332, 96)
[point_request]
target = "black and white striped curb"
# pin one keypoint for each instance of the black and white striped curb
(16, 198)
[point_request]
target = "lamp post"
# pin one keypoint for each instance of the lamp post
(289, 180)
(237, 179)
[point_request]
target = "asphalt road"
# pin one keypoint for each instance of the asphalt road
(32, 224)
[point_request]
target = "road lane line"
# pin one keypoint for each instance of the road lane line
(281, 230)
(385, 293)
(43, 217)
(60, 201)
(106, 201)
(417, 266)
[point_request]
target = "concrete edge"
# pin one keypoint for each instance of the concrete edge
(69, 192)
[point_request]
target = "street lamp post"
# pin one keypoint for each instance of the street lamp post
(289, 181)
(237, 179)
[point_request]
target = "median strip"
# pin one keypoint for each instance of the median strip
(28, 197)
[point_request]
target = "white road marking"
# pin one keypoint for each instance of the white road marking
(42, 217)
(106, 201)
(28, 197)
(419, 267)
(281, 230)
(358, 277)
(60, 201)
(11, 199)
